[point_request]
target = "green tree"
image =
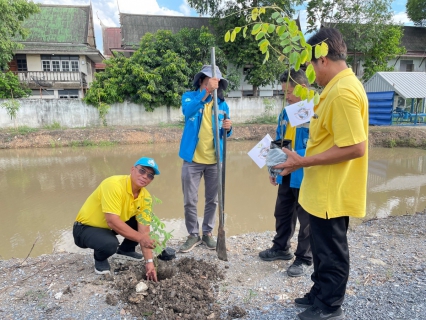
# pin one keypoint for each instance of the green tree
(416, 11)
(241, 53)
(10, 87)
(361, 22)
(376, 59)
(158, 73)
(12, 14)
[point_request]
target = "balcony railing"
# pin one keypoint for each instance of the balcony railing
(48, 78)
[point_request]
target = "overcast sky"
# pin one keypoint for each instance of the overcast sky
(107, 11)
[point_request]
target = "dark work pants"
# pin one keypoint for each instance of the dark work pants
(331, 261)
(287, 211)
(103, 241)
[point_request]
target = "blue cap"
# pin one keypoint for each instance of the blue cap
(148, 162)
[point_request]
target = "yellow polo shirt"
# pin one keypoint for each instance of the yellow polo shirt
(114, 195)
(205, 152)
(330, 191)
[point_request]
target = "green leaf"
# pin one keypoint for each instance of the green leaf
(316, 98)
(284, 35)
(262, 10)
(324, 49)
(303, 56)
(271, 28)
(233, 35)
(281, 58)
(266, 57)
(280, 20)
(297, 90)
(245, 31)
(310, 73)
(256, 28)
(237, 29)
(275, 15)
(254, 14)
(302, 39)
(285, 42)
(303, 93)
(227, 36)
(297, 64)
(294, 56)
(311, 95)
(295, 39)
(260, 35)
(317, 51)
(287, 49)
(265, 27)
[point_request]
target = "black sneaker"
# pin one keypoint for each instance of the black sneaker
(271, 255)
(102, 267)
(128, 255)
(299, 268)
(315, 313)
(305, 302)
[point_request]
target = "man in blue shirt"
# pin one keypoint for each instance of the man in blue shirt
(287, 207)
(198, 151)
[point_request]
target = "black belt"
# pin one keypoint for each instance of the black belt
(78, 223)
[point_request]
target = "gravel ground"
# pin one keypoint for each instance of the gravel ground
(387, 279)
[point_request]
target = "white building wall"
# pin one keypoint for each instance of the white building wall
(72, 113)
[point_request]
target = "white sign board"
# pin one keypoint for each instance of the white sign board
(259, 152)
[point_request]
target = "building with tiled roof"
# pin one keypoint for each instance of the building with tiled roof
(59, 55)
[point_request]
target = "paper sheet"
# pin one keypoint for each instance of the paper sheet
(300, 112)
(259, 152)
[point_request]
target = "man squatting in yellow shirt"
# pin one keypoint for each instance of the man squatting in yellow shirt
(335, 182)
(119, 205)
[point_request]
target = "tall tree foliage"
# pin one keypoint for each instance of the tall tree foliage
(241, 53)
(158, 73)
(12, 14)
(362, 22)
(416, 11)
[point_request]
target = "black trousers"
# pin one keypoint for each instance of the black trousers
(287, 211)
(103, 241)
(331, 261)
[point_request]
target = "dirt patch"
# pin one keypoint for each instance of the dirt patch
(394, 136)
(187, 289)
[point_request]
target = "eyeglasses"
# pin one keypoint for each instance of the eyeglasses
(142, 171)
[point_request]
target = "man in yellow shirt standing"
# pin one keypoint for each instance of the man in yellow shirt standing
(335, 182)
(119, 205)
(198, 151)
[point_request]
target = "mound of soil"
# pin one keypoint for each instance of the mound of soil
(187, 289)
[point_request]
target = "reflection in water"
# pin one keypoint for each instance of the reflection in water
(41, 190)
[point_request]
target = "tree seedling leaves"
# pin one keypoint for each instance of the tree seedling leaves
(284, 42)
(265, 27)
(317, 51)
(256, 28)
(311, 95)
(237, 29)
(275, 15)
(297, 90)
(287, 49)
(310, 73)
(227, 36)
(303, 56)
(266, 57)
(324, 49)
(316, 98)
(245, 31)
(302, 39)
(254, 14)
(281, 58)
(262, 10)
(271, 28)
(297, 64)
(260, 35)
(233, 35)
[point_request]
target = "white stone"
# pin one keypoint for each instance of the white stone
(141, 287)
(58, 295)
(377, 261)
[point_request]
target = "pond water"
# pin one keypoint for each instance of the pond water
(41, 190)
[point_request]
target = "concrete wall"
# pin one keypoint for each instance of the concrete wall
(72, 113)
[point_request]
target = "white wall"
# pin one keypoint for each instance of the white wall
(72, 113)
